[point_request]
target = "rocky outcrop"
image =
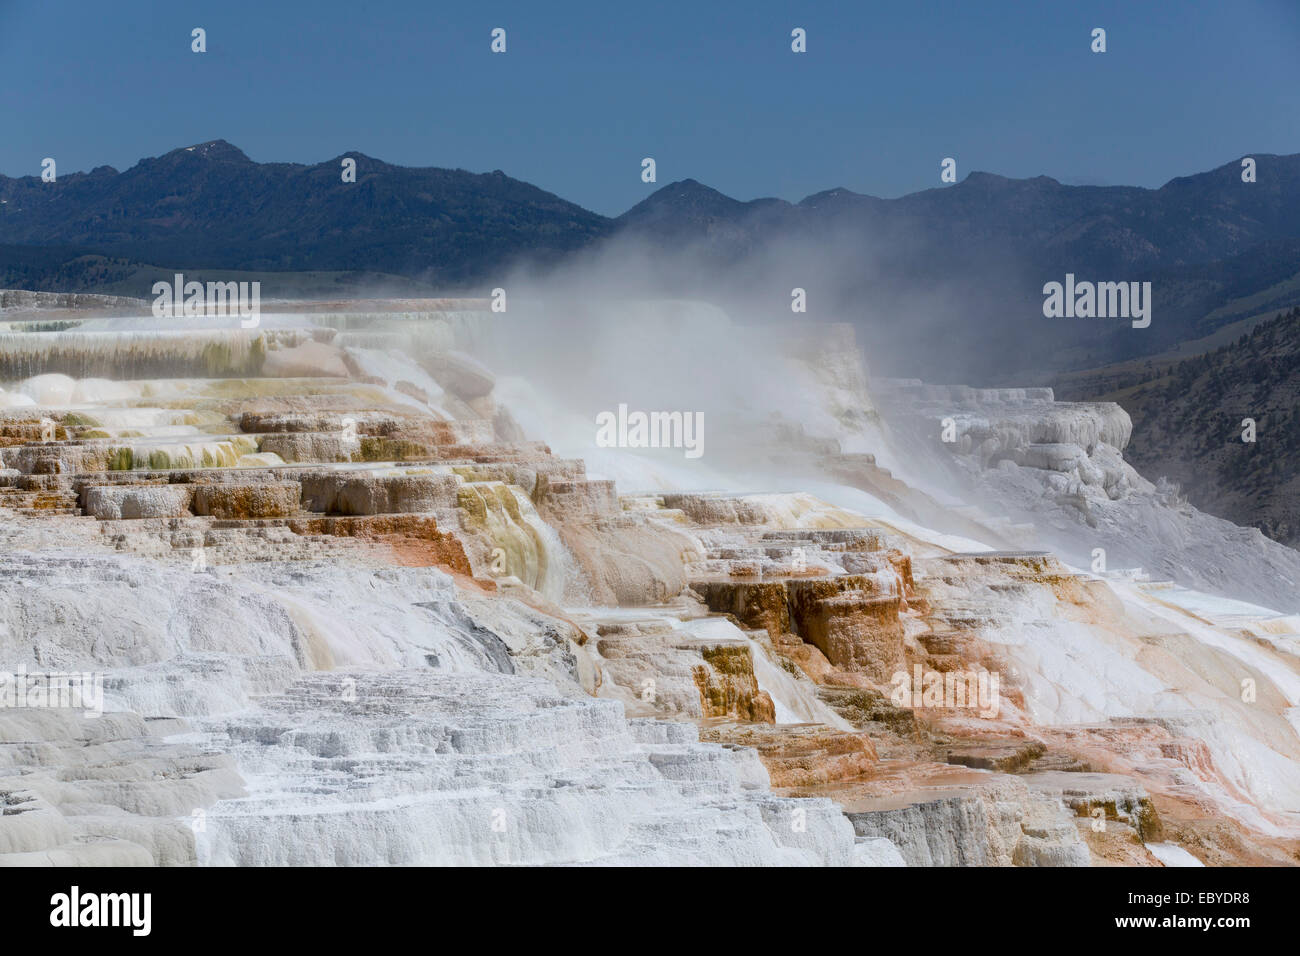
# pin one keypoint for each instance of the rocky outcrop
(232, 501)
(851, 616)
(727, 685)
(1101, 796)
(659, 667)
(310, 447)
(342, 493)
(115, 503)
(804, 755)
(858, 629)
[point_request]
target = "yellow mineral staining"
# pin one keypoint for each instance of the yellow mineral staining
(728, 687)
(507, 522)
(222, 454)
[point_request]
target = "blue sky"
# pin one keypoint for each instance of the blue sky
(710, 90)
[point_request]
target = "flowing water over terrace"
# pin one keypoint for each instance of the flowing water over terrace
(135, 354)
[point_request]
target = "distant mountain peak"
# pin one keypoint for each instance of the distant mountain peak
(993, 180)
(687, 197)
(208, 206)
(687, 187)
(836, 194)
(978, 176)
(217, 150)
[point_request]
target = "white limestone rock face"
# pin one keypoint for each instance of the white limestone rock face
(114, 503)
(417, 767)
(949, 831)
(1002, 823)
(151, 627)
(1059, 467)
(102, 791)
(344, 715)
(1171, 854)
(877, 851)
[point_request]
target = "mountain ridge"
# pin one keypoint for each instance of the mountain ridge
(984, 246)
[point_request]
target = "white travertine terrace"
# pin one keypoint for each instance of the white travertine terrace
(348, 608)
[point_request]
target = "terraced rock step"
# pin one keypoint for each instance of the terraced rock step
(998, 823)
(480, 769)
(802, 755)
